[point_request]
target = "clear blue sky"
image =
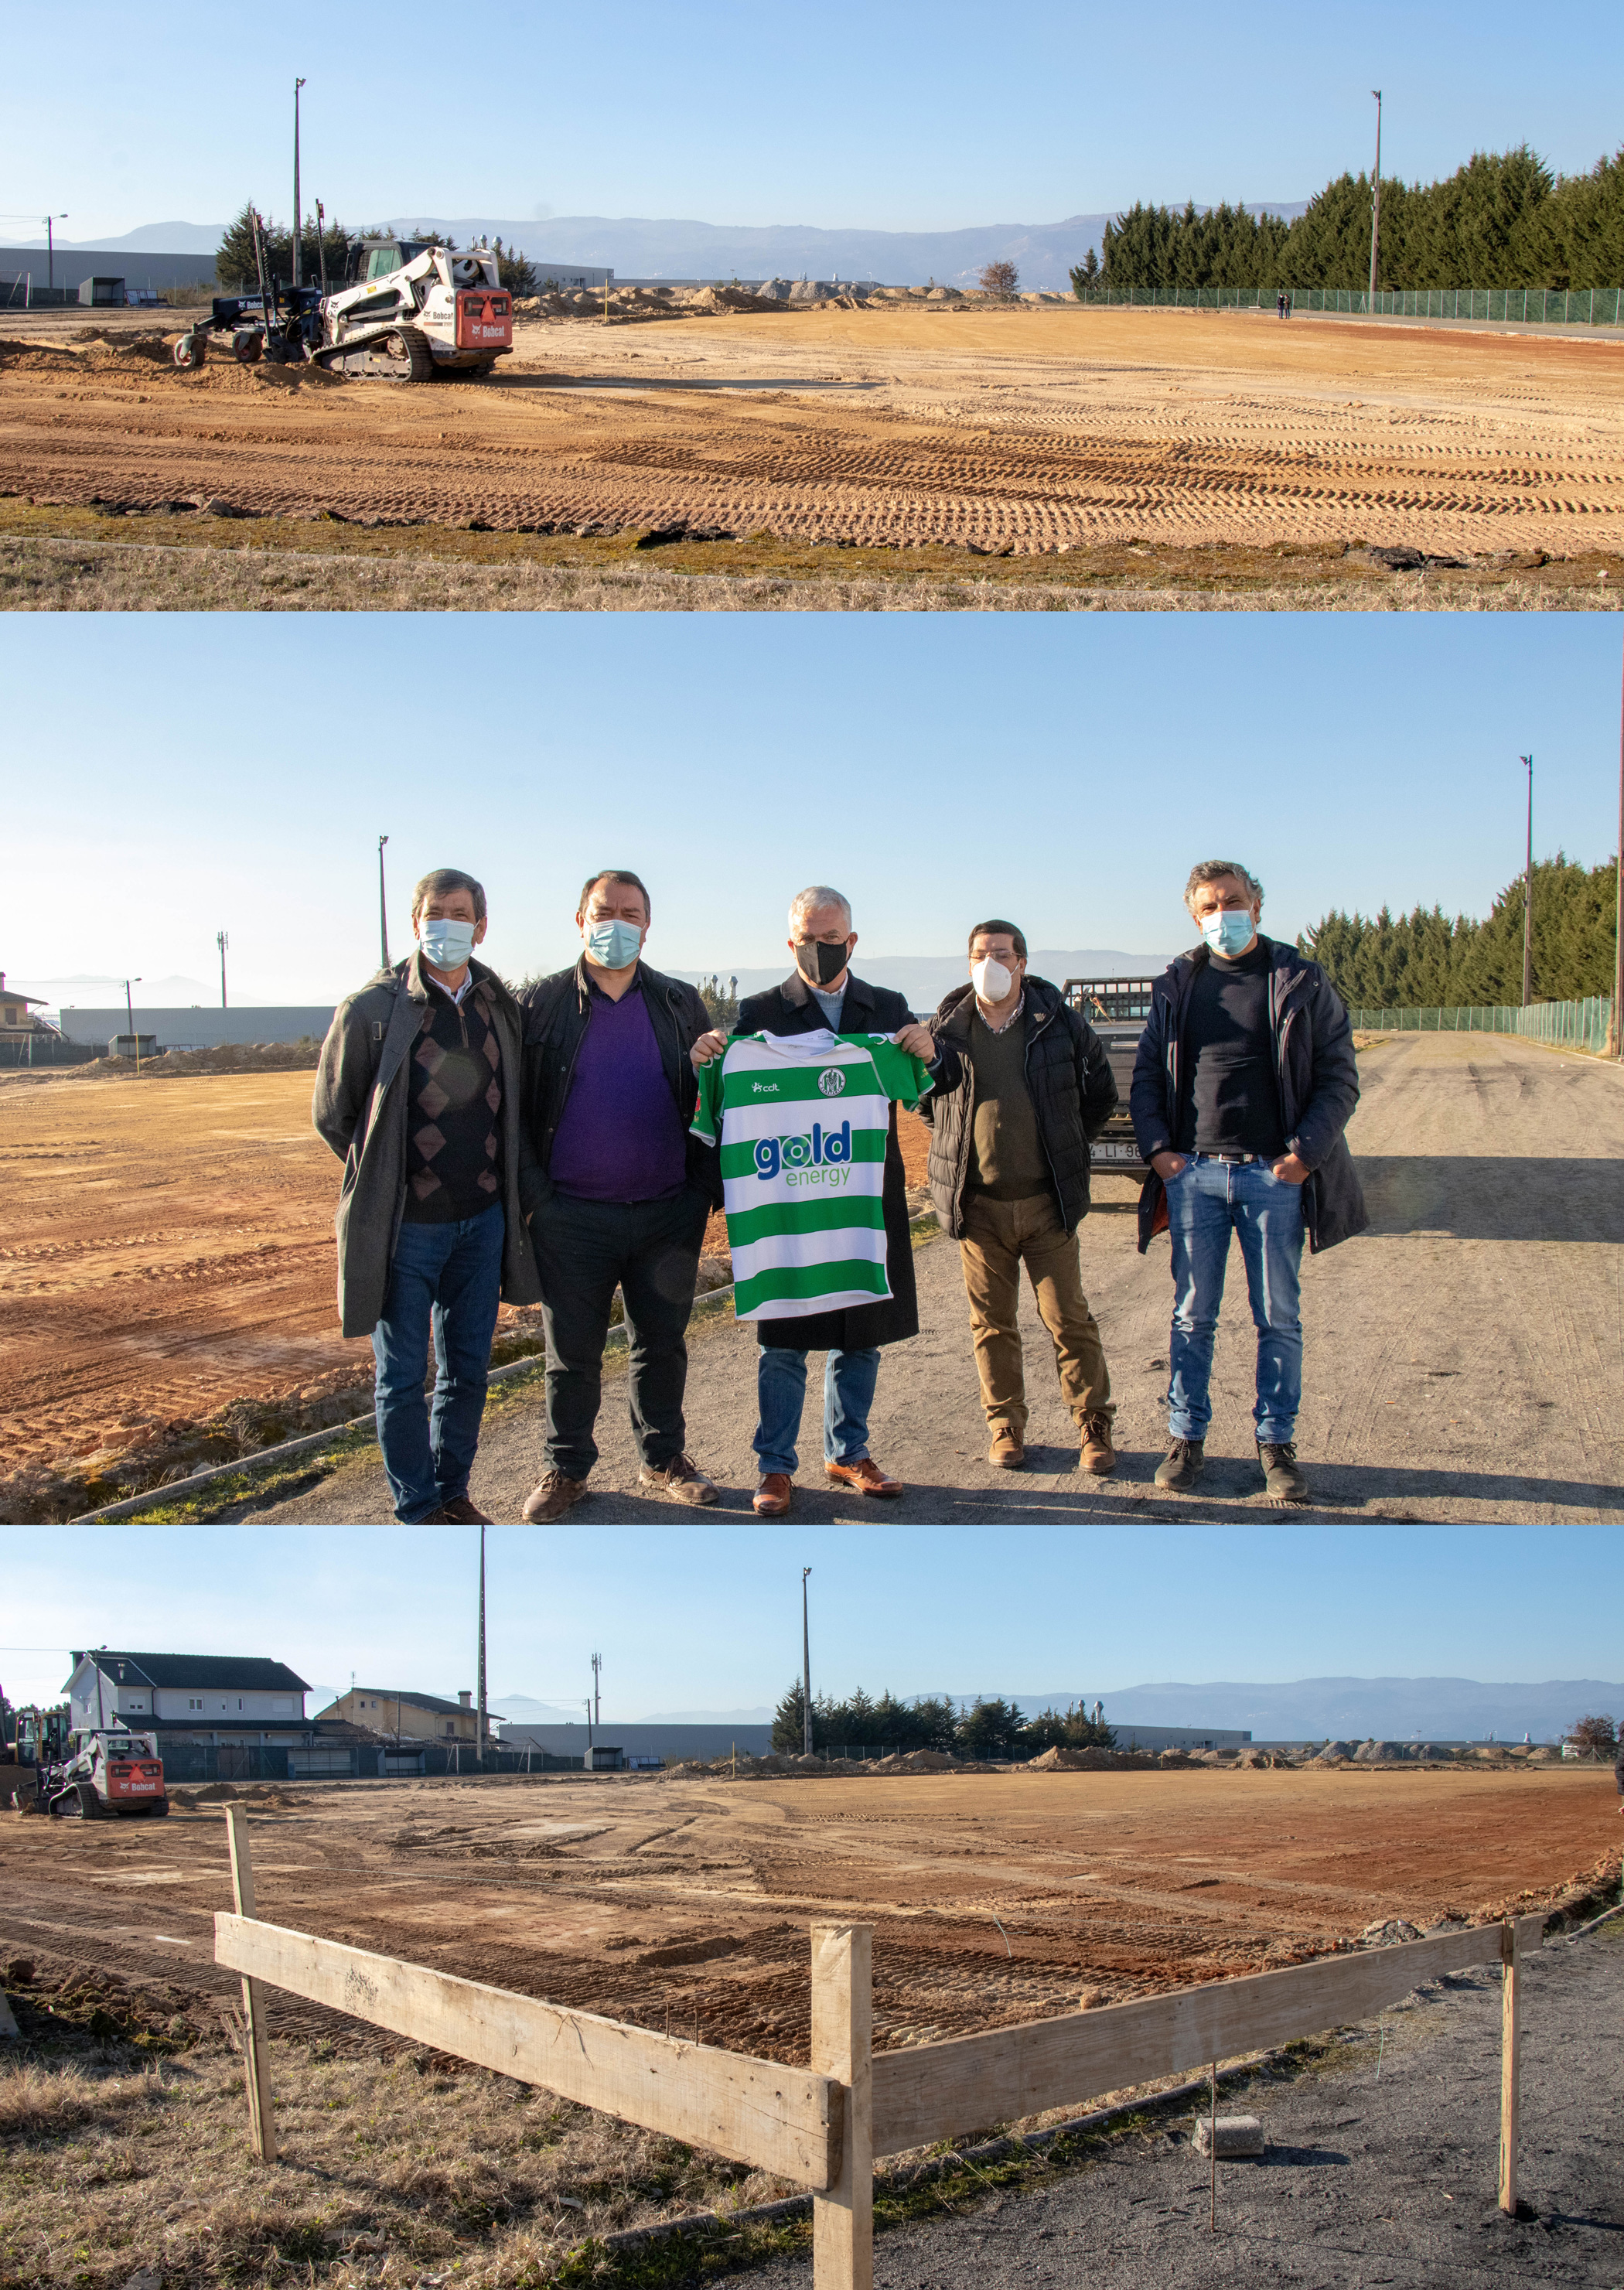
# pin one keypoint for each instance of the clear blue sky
(690, 1616)
(885, 114)
(177, 776)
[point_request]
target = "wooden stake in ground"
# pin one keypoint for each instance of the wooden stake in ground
(1510, 2043)
(842, 2048)
(256, 2057)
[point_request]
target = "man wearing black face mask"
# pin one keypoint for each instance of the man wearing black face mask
(821, 992)
(1009, 1171)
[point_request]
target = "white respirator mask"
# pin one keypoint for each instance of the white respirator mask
(992, 982)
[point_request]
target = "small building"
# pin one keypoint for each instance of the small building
(133, 1046)
(398, 1716)
(198, 1697)
(15, 1024)
(102, 293)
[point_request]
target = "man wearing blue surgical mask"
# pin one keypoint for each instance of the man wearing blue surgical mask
(616, 1191)
(1244, 1084)
(417, 1092)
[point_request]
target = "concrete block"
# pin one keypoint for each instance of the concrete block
(1238, 2134)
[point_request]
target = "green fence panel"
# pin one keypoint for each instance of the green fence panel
(1569, 1025)
(1588, 305)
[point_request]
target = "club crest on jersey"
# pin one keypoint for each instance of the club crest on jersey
(831, 1081)
(822, 1150)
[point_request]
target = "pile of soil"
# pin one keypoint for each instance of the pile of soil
(1091, 1761)
(229, 1058)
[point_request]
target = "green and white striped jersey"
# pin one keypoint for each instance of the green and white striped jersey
(800, 1121)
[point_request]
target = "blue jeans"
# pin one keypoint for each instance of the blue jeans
(444, 1278)
(849, 1379)
(1205, 1203)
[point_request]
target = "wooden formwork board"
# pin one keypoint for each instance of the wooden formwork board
(783, 2119)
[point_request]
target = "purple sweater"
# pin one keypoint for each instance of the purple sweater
(621, 1136)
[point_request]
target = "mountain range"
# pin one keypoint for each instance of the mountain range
(925, 977)
(652, 247)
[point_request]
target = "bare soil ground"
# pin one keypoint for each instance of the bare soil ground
(692, 1898)
(1031, 432)
(1461, 1357)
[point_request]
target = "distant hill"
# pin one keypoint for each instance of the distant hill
(925, 977)
(1389, 1709)
(650, 247)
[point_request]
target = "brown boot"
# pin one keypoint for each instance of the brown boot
(1099, 1456)
(551, 1498)
(866, 1477)
(678, 1479)
(461, 1512)
(1006, 1450)
(772, 1497)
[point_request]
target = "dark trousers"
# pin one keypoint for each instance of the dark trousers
(444, 1282)
(650, 1250)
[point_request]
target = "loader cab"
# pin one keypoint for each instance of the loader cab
(377, 258)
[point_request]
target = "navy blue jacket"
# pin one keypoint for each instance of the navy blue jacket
(1316, 1072)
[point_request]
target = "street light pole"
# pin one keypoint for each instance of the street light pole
(383, 912)
(1527, 763)
(223, 940)
(297, 83)
(805, 1670)
(597, 1707)
(1376, 201)
(130, 1014)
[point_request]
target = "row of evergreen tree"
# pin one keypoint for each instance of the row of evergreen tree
(234, 258)
(979, 1729)
(1503, 219)
(1423, 961)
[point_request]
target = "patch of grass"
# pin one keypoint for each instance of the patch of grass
(56, 558)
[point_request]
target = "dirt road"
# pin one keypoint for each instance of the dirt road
(692, 1898)
(1028, 431)
(1463, 1357)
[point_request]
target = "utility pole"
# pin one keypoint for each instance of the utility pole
(480, 1733)
(805, 1668)
(1376, 201)
(588, 1710)
(1527, 762)
(297, 83)
(1617, 1029)
(223, 940)
(597, 1707)
(383, 912)
(51, 222)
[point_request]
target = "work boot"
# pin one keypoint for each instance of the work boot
(1097, 1455)
(1006, 1450)
(865, 1477)
(1181, 1466)
(1283, 1477)
(551, 1498)
(461, 1512)
(772, 1495)
(679, 1480)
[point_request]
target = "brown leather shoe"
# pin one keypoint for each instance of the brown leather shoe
(865, 1478)
(1098, 1455)
(1006, 1451)
(551, 1498)
(679, 1480)
(773, 1494)
(461, 1512)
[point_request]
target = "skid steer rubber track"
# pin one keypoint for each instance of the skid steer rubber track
(373, 358)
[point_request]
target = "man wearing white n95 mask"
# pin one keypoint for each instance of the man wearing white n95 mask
(1012, 1120)
(418, 1093)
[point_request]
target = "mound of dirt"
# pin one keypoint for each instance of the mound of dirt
(1090, 1761)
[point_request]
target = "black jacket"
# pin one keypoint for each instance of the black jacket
(556, 1012)
(1318, 1080)
(791, 1009)
(1072, 1088)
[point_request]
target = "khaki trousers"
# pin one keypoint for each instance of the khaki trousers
(998, 1238)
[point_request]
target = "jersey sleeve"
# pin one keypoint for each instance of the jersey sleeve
(903, 1078)
(706, 1123)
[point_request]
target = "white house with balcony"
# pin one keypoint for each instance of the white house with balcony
(204, 1698)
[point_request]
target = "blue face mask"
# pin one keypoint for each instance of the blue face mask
(616, 945)
(446, 945)
(1231, 930)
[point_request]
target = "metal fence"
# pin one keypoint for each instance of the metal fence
(1588, 305)
(252, 1761)
(1565, 1025)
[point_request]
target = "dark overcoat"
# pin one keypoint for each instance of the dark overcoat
(792, 1008)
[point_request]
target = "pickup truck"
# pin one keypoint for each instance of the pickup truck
(1116, 1008)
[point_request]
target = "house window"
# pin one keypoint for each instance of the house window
(451, 1727)
(194, 1701)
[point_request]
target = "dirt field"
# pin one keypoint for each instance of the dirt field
(1030, 432)
(692, 1898)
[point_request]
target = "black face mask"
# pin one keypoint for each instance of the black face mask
(820, 963)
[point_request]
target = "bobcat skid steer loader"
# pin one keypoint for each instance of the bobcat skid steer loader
(414, 311)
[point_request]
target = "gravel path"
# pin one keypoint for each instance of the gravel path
(1461, 1357)
(1367, 2180)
